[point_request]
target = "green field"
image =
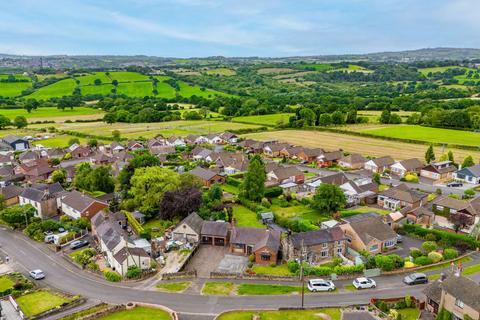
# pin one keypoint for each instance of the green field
(266, 120)
(316, 66)
(138, 313)
(89, 79)
(103, 89)
(222, 72)
(165, 90)
(147, 130)
(352, 68)
(51, 113)
(39, 301)
(135, 89)
(426, 71)
(427, 134)
(59, 141)
(13, 89)
(125, 76)
(58, 89)
(17, 76)
(187, 91)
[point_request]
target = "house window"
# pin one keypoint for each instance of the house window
(339, 250)
(389, 243)
(374, 247)
(325, 245)
(459, 303)
(339, 243)
(324, 254)
(265, 256)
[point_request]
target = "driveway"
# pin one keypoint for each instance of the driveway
(233, 264)
(404, 247)
(206, 259)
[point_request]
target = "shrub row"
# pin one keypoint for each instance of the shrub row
(112, 276)
(233, 182)
(452, 239)
(324, 270)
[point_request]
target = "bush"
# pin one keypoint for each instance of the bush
(322, 271)
(415, 253)
(448, 239)
(384, 262)
(233, 182)
(293, 266)
(431, 237)
(435, 256)
(408, 301)
(266, 203)
(382, 306)
(450, 253)
(133, 272)
(112, 276)
(340, 270)
(273, 192)
(429, 246)
(423, 261)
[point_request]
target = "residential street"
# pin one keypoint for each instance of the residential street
(26, 255)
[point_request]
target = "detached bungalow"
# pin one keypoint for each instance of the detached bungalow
(379, 165)
(309, 155)
(16, 143)
(402, 167)
(468, 175)
(328, 159)
(282, 175)
(264, 244)
(353, 161)
(438, 171)
(400, 197)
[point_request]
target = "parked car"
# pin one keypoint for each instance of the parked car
(399, 238)
(316, 285)
(454, 184)
(78, 244)
(364, 283)
(415, 278)
(37, 274)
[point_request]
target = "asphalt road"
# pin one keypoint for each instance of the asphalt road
(27, 255)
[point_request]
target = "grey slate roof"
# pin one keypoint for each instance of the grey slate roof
(12, 139)
(78, 201)
(194, 221)
(256, 237)
(373, 228)
(312, 238)
(463, 289)
(215, 228)
(11, 191)
(471, 171)
(203, 174)
(403, 193)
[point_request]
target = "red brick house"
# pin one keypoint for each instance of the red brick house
(264, 244)
(281, 175)
(328, 159)
(208, 177)
(310, 155)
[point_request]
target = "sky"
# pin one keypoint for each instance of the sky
(235, 28)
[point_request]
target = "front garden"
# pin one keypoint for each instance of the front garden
(38, 302)
(313, 314)
(138, 313)
(14, 283)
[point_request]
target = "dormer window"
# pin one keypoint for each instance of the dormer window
(459, 303)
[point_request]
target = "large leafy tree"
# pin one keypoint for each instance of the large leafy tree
(17, 216)
(141, 159)
(148, 186)
(329, 198)
(98, 179)
(468, 162)
(180, 203)
(20, 122)
(253, 186)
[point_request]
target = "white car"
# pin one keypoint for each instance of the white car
(364, 283)
(316, 285)
(37, 274)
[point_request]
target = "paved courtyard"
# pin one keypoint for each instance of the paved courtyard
(233, 264)
(206, 259)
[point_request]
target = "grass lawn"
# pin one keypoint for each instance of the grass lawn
(214, 288)
(265, 120)
(126, 76)
(39, 301)
(314, 314)
(158, 225)
(363, 209)
(103, 89)
(471, 270)
(58, 89)
(187, 91)
(173, 286)
(245, 289)
(89, 79)
(246, 218)
(434, 277)
(165, 90)
(138, 313)
(86, 312)
(6, 283)
(428, 134)
(300, 211)
(277, 270)
(363, 145)
(230, 189)
(13, 89)
(409, 313)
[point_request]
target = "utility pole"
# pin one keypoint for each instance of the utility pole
(302, 257)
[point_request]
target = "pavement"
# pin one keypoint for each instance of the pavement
(26, 254)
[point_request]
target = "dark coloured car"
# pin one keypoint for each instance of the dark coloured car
(78, 244)
(454, 184)
(415, 278)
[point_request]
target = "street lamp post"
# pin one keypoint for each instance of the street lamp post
(302, 257)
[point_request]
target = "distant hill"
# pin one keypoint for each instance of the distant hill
(95, 62)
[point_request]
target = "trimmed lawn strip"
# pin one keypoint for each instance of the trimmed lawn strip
(444, 265)
(409, 313)
(314, 314)
(245, 289)
(40, 301)
(138, 313)
(349, 287)
(471, 270)
(173, 286)
(218, 288)
(276, 270)
(6, 283)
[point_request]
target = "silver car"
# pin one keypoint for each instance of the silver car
(37, 274)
